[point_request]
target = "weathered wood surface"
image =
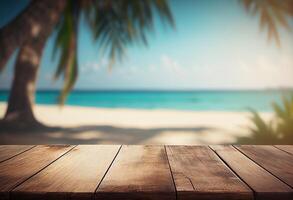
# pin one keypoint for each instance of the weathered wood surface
(261, 181)
(18, 169)
(53, 172)
(200, 174)
(274, 160)
(138, 172)
(287, 148)
(9, 151)
(78, 173)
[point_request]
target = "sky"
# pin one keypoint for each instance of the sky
(214, 45)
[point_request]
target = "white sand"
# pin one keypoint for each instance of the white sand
(133, 126)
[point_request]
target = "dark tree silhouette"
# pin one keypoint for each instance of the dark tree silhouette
(115, 24)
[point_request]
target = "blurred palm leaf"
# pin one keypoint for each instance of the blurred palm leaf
(116, 24)
(277, 131)
(284, 115)
(66, 43)
(262, 132)
(272, 13)
(113, 24)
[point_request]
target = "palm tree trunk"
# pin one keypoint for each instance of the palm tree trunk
(21, 100)
(27, 25)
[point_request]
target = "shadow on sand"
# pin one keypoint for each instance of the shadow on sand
(93, 134)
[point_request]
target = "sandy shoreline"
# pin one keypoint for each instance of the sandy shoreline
(133, 126)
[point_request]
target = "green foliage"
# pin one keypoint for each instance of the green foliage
(272, 13)
(277, 131)
(66, 44)
(284, 117)
(114, 25)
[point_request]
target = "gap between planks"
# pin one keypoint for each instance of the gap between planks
(260, 181)
(40, 169)
(224, 162)
(21, 152)
(283, 148)
(235, 173)
(235, 146)
(108, 169)
(176, 195)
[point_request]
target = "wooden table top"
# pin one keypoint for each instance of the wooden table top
(148, 172)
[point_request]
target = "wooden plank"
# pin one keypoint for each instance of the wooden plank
(200, 174)
(79, 172)
(16, 170)
(287, 148)
(265, 185)
(9, 151)
(138, 172)
(272, 159)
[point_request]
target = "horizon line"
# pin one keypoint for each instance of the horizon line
(162, 90)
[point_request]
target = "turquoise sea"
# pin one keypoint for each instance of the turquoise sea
(201, 100)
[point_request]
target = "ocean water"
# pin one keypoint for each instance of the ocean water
(178, 100)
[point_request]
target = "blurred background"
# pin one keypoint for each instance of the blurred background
(146, 72)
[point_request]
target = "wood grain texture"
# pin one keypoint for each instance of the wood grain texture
(146, 172)
(265, 185)
(200, 174)
(74, 176)
(138, 172)
(287, 148)
(8, 151)
(17, 169)
(272, 159)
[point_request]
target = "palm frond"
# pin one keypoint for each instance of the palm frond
(284, 116)
(262, 132)
(277, 131)
(114, 25)
(117, 24)
(272, 13)
(66, 44)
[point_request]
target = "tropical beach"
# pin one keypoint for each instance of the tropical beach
(146, 99)
(145, 117)
(146, 72)
(83, 125)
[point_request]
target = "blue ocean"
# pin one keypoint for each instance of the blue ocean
(178, 100)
